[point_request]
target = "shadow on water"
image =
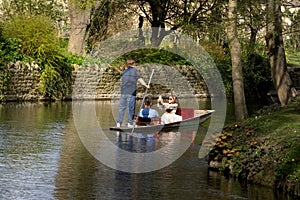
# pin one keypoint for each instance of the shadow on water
(42, 157)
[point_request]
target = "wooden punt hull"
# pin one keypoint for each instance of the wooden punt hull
(200, 117)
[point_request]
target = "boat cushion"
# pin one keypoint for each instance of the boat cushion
(186, 113)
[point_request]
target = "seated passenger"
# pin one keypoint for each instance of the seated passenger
(170, 117)
(170, 105)
(147, 114)
(170, 108)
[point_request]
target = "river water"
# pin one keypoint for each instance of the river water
(42, 156)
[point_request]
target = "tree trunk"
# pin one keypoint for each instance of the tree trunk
(252, 42)
(141, 34)
(274, 40)
(237, 74)
(99, 23)
(158, 33)
(80, 22)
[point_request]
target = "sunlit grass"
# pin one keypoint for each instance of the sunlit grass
(293, 58)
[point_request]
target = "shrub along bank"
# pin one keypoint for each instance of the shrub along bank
(263, 149)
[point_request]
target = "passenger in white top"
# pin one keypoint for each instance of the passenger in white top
(170, 108)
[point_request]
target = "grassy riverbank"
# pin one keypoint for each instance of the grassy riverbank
(264, 149)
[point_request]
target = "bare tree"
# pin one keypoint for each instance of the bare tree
(237, 74)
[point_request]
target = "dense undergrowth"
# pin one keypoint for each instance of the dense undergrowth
(263, 149)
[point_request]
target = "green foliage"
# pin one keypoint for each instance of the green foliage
(10, 50)
(52, 9)
(75, 59)
(288, 167)
(56, 74)
(154, 55)
(292, 57)
(50, 80)
(34, 38)
(296, 101)
(55, 81)
(36, 34)
(264, 149)
(256, 73)
(223, 64)
(84, 5)
(70, 58)
(257, 77)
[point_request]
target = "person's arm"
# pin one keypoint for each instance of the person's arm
(160, 103)
(156, 113)
(153, 113)
(143, 83)
(175, 105)
(141, 113)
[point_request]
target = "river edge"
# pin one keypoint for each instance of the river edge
(253, 150)
(263, 149)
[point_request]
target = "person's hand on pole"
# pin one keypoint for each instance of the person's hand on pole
(143, 83)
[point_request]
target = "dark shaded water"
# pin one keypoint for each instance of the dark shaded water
(42, 157)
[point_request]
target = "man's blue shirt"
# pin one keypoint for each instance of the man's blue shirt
(129, 81)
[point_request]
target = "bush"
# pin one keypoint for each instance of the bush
(34, 38)
(257, 78)
(35, 32)
(223, 64)
(9, 48)
(256, 74)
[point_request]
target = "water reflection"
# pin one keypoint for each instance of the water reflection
(42, 157)
(30, 141)
(145, 143)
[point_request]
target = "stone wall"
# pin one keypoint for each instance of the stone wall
(103, 82)
(22, 82)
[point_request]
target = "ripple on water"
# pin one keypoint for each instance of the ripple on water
(29, 160)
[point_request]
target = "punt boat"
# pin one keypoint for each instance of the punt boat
(190, 117)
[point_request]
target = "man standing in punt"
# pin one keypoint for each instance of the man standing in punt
(130, 76)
